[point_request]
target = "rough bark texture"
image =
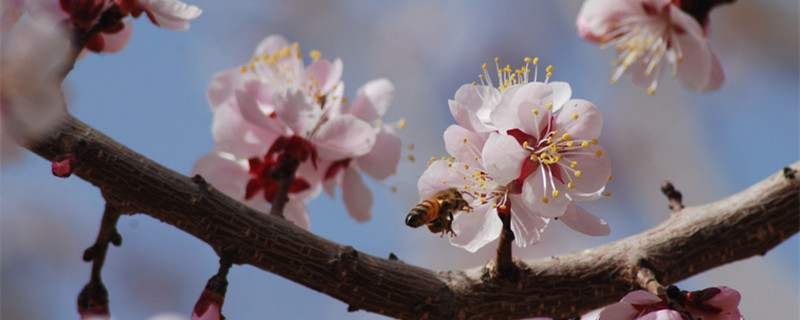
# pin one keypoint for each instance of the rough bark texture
(692, 240)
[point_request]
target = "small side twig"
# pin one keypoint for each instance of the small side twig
(675, 197)
(647, 278)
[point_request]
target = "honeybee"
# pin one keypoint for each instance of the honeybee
(437, 212)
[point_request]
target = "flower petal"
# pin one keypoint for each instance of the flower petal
(224, 173)
(503, 158)
(466, 117)
(595, 170)
(528, 227)
(584, 222)
(581, 119)
(171, 14)
(699, 69)
(222, 86)
(530, 107)
(464, 144)
(233, 134)
(255, 114)
(540, 186)
(597, 18)
(295, 211)
(115, 42)
(477, 228)
(324, 73)
(357, 197)
(441, 175)
(382, 160)
(373, 99)
(344, 137)
(561, 93)
(270, 45)
(293, 108)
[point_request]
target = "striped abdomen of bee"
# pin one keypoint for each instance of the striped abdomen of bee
(423, 212)
(437, 211)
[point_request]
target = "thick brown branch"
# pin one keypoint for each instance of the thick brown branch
(688, 242)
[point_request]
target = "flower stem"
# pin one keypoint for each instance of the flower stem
(675, 197)
(504, 263)
(93, 299)
(287, 166)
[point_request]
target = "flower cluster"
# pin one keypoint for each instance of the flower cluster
(522, 148)
(275, 108)
(651, 31)
(716, 303)
(84, 16)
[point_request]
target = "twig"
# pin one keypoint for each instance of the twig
(700, 238)
(675, 197)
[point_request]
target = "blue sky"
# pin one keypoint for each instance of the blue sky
(151, 97)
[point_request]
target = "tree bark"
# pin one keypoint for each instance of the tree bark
(690, 241)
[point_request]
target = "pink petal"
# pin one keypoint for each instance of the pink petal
(114, 42)
(584, 222)
(172, 14)
(222, 86)
(357, 197)
(503, 158)
(270, 45)
(527, 226)
(641, 297)
(532, 96)
(477, 228)
(540, 185)
(466, 117)
(260, 91)
(561, 93)
(595, 170)
(618, 311)
(699, 69)
(663, 314)
(581, 119)
(293, 109)
(502, 116)
(253, 113)
(596, 18)
(381, 162)
(295, 211)
(344, 137)
(46, 11)
(441, 175)
(10, 12)
(373, 99)
(464, 144)
(224, 173)
(326, 74)
(233, 134)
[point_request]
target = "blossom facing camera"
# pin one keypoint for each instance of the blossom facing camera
(522, 148)
(716, 303)
(649, 34)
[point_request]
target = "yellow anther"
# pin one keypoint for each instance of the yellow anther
(573, 164)
(394, 189)
(476, 158)
(585, 144)
(243, 69)
(570, 185)
(429, 163)
(570, 144)
(543, 155)
(464, 140)
(577, 174)
(575, 116)
(545, 199)
(483, 199)
(433, 158)
(565, 136)
(549, 105)
(402, 123)
(502, 207)
(315, 54)
(251, 66)
(444, 158)
(549, 69)
(610, 178)
(444, 181)
(496, 59)
(527, 59)
(533, 157)
(535, 60)
(411, 148)
(474, 83)
(535, 112)
(594, 141)
(598, 153)
(607, 194)
(466, 166)
(483, 67)
(378, 123)
(255, 59)
(525, 145)
(411, 158)
(450, 165)
(494, 205)
(555, 193)
(651, 91)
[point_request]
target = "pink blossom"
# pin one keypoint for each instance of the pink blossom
(522, 148)
(32, 58)
(170, 14)
(275, 105)
(716, 303)
(650, 31)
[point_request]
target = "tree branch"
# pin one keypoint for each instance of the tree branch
(688, 242)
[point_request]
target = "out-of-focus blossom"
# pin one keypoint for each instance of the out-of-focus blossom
(63, 165)
(112, 34)
(32, 59)
(651, 33)
(719, 303)
(275, 107)
(522, 148)
(209, 306)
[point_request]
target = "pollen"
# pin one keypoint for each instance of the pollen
(570, 185)
(378, 123)
(525, 144)
(555, 193)
(575, 116)
(402, 123)
(464, 140)
(444, 181)
(545, 199)
(243, 69)
(577, 174)
(607, 194)
(610, 178)
(394, 189)
(466, 166)
(598, 153)
(549, 105)
(433, 158)
(535, 112)
(565, 136)
(411, 158)
(570, 144)
(535, 60)
(315, 54)
(549, 69)
(411, 148)
(502, 207)
(585, 144)
(594, 141)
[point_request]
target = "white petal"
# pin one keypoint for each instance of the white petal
(537, 187)
(503, 158)
(172, 14)
(115, 42)
(464, 144)
(382, 160)
(295, 211)
(293, 108)
(373, 99)
(344, 137)
(222, 86)
(270, 45)
(254, 114)
(357, 197)
(528, 227)
(584, 222)
(477, 228)
(530, 107)
(580, 118)
(224, 173)
(561, 93)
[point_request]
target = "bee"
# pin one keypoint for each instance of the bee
(437, 212)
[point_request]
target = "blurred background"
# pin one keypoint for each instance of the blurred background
(151, 97)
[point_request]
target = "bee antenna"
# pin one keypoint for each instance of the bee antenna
(469, 194)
